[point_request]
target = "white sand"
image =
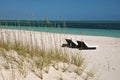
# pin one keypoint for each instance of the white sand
(106, 58)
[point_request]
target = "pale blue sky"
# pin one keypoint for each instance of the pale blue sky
(69, 9)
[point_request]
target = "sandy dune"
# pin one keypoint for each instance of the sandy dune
(105, 59)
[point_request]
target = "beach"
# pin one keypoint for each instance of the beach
(104, 59)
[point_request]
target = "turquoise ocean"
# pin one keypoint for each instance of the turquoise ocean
(78, 31)
(94, 29)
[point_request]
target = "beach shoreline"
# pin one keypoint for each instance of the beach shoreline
(70, 31)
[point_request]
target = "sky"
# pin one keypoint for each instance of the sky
(53, 9)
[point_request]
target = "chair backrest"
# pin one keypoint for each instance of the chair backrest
(81, 44)
(70, 43)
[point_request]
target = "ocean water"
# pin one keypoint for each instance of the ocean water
(70, 30)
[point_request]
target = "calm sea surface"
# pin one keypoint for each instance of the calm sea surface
(84, 31)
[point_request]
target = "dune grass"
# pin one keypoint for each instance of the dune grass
(38, 58)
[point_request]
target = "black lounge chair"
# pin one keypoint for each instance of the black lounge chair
(82, 46)
(69, 44)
